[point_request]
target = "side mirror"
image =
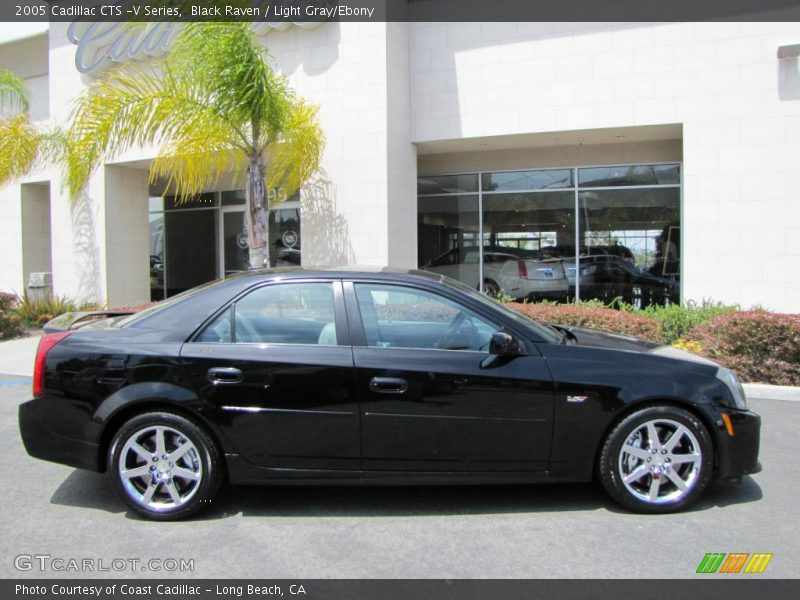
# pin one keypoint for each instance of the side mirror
(504, 344)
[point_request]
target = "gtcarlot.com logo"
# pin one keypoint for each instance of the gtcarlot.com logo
(47, 562)
(734, 562)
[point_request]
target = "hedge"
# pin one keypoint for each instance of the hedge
(607, 319)
(10, 323)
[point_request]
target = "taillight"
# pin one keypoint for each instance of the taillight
(523, 269)
(45, 344)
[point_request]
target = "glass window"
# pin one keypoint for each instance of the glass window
(447, 184)
(287, 313)
(630, 245)
(529, 244)
(219, 331)
(629, 175)
(447, 230)
(402, 317)
(233, 198)
(526, 180)
(205, 200)
(284, 229)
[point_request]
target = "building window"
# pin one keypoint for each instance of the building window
(610, 233)
(205, 238)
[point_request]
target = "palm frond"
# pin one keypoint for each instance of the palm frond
(14, 94)
(133, 107)
(23, 148)
(294, 157)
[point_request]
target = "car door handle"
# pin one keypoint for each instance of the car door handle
(388, 385)
(224, 375)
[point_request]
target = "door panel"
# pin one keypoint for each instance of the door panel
(430, 399)
(277, 370)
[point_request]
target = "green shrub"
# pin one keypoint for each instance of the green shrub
(594, 317)
(10, 323)
(37, 311)
(677, 321)
(759, 345)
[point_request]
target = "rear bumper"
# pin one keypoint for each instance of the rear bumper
(41, 443)
(738, 454)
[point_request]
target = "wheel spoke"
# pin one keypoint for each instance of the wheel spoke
(655, 484)
(185, 473)
(676, 479)
(180, 451)
(637, 452)
(142, 471)
(141, 451)
(679, 459)
(652, 435)
(161, 445)
(173, 493)
(675, 438)
(148, 494)
(636, 474)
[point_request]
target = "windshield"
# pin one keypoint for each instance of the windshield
(542, 330)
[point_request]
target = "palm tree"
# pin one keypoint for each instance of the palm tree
(23, 146)
(213, 106)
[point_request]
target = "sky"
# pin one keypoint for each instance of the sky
(13, 31)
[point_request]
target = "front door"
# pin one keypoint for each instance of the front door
(277, 369)
(430, 399)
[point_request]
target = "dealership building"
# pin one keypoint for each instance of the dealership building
(657, 162)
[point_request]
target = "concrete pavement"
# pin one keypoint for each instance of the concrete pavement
(17, 356)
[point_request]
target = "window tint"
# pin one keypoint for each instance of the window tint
(287, 313)
(219, 331)
(401, 317)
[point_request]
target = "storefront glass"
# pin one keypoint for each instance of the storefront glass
(205, 238)
(610, 233)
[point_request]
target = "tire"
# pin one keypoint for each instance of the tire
(661, 478)
(491, 288)
(159, 489)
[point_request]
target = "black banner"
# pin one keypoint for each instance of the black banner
(387, 589)
(399, 10)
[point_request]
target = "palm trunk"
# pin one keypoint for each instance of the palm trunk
(256, 195)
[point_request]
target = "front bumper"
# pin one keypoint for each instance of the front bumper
(41, 443)
(738, 454)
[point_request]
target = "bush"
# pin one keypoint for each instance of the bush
(35, 312)
(10, 323)
(757, 344)
(677, 321)
(594, 317)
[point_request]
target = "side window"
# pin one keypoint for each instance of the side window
(219, 331)
(287, 313)
(402, 317)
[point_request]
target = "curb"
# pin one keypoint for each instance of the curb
(763, 391)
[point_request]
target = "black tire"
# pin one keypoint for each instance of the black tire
(613, 466)
(491, 288)
(202, 461)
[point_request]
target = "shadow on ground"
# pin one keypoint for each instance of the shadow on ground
(83, 489)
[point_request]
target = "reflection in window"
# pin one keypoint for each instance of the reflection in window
(622, 244)
(448, 184)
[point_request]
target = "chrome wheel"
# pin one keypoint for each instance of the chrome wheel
(160, 468)
(660, 462)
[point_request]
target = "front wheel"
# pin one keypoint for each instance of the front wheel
(657, 460)
(164, 466)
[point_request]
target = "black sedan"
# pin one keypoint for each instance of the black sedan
(385, 377)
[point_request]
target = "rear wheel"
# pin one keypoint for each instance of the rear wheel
(491, 288)
(164, 466)
(657, 460)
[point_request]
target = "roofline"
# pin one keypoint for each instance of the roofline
(25, 37)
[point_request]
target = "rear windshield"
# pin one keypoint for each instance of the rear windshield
(158, 307)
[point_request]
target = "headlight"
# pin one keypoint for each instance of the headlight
(729, 378)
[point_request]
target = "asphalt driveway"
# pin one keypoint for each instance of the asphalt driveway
(441, 532)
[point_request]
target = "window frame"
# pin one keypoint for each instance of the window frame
(340, 317)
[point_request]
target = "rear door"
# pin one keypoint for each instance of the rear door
(276, 368)
(430, 399)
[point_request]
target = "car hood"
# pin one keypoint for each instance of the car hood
(594, 338)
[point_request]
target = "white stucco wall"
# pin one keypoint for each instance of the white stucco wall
(738, 105)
